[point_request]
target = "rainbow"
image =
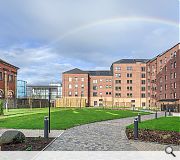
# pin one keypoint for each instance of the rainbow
(117, 20)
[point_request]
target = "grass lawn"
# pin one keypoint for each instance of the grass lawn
(60, 118)
(161, 124)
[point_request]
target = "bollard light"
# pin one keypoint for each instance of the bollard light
(135, 129)
(46, 127)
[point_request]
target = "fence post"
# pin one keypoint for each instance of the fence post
(46, 127)
(135, 129)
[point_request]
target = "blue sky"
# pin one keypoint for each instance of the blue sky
(47, 37)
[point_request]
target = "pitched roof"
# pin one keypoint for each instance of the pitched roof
(131, 61)
(100, 73)
(4, 62)
(75, 71)
(92, 73)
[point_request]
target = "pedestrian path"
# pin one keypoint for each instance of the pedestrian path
(102, 136)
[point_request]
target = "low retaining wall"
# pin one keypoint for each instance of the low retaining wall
(163, 137)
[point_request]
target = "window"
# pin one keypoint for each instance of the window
(165, 68)
(110, 80)
(106, 93)
(129, 68)
(76, 94)
(107, 86)
(160, 79)
(160, 62)
(1, 76)
(95, 87)
(143, 88)
(82, 86)
(70, 86)
(100, 80)
(143, 69)
(110, 86)
(165, 60)
(174, 74)
(175, 54)
(70, 79)
(129, 88)
(70, 93)
(118, 81)
(82, 79)
(129, 95)
(10, 78)
(129, 74)
(117, 88)
(143, 104)
(107, 80)
(94, 94)
(129, 81)
(100, 86)
(95, 81)
(143, 75)
(165, 96)
(118, 68)
(165, 77)
(76, 86)
(76, 79)
(118, 75)
(143, 95)
(174, 84)
(160, 88)
(82, 93)
(109, 93)
(100, 93)
(143, 82)
(175, 96)
(174, 64)
(118, 94)
(165, 86)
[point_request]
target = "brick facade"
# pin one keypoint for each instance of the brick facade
(133, 83)
(8, 80)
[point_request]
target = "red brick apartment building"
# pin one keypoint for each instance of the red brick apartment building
(136, 83)
(163, 79)
(123, 85)
(8, 80)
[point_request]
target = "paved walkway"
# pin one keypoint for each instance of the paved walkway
(35, 133)
(102, 136)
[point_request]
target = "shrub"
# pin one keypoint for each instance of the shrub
(1, 107)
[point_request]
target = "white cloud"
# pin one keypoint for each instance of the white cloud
(29, 30)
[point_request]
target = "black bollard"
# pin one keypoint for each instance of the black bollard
(46, 127)
(156, 115)
(135, 129)
(139, 118)
(165, 114)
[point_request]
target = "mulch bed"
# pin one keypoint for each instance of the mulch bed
(162, 137)
(30, 144)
